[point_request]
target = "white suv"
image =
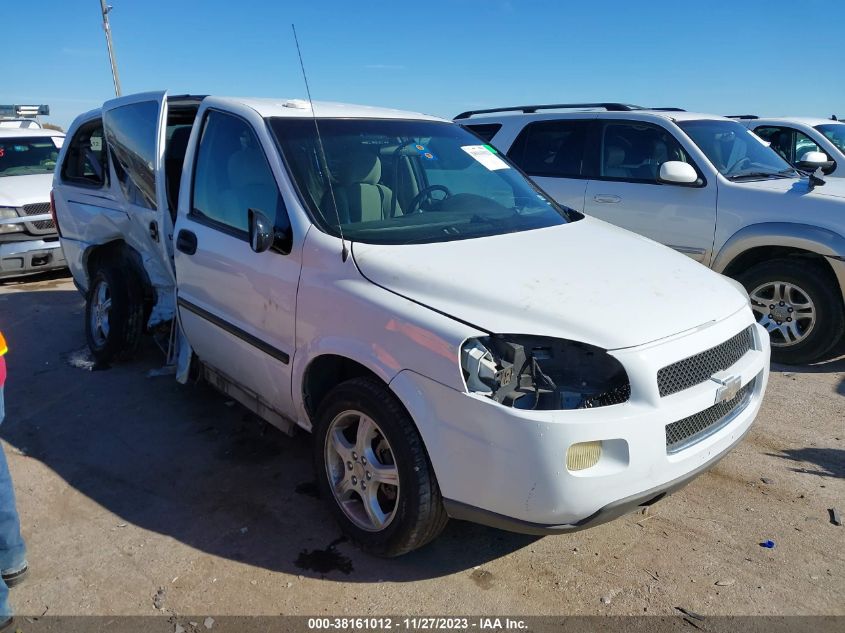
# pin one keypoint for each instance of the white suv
(449, 335)
(794, 137)
(705, 186)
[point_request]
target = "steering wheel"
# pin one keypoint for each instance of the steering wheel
(426, 194)
(737, 163)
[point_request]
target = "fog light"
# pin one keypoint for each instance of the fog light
(583, 455)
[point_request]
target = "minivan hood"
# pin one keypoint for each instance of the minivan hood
(16, 191)
(587, 281)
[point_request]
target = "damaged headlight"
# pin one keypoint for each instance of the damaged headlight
(7, 213)
(538, 372)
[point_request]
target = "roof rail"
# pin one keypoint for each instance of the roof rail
(741, 116)
(667, 109)
(530, 109)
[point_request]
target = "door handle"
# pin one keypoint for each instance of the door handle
(607, 198)
(186, 242)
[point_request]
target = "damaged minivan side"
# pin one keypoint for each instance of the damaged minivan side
(448, 334)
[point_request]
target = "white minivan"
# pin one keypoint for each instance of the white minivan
(457, 343)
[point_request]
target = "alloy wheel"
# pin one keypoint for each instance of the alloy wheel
(362, 472)
(785, 310)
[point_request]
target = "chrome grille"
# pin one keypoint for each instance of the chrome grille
(698, 369)
(692, 429)
(39, 209)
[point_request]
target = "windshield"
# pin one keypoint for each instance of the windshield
(735, 152)
(404, 181)
(835, 132)
(21, 156)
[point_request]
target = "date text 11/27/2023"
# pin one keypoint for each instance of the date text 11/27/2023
(417, 623)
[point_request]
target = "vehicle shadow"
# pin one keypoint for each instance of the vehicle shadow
(26, 281)
(185, 462)
(830, 461)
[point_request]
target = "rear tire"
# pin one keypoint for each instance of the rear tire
(114, 314)
(364, 438)
(796, 299)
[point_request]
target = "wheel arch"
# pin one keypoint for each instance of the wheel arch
(761, 242)
(327, 370)
(122, 254)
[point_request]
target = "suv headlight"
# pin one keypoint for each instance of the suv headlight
(7, 213)
(539, 372)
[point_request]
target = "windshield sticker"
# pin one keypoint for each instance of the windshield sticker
(486, 156)
(96, 143)
(57, 141)
(424, 153)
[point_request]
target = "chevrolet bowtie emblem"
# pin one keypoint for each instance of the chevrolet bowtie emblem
(729, 386)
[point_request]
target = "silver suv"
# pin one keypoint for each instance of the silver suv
(705, 186)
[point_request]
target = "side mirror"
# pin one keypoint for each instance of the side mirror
(260, 231)
(676, 172)
(263, 235)
(813, 160)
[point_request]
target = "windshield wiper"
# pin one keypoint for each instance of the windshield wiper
(757, 175)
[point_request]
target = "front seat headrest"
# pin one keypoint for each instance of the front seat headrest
(360, 167)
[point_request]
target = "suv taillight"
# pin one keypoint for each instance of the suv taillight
(53, 213)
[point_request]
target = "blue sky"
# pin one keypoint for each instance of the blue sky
(438, 57)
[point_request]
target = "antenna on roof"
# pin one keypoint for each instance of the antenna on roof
(344, 253)
(107, 28)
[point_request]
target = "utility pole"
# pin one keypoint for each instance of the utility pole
(105, 9)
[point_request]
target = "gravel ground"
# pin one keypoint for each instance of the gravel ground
(139, 496)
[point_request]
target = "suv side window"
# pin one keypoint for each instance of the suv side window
(484, 131)
(133, 150)
(232, 175)
(551, 148)
(85, 161)
(780, 139)
(789, 143)
(634, 151)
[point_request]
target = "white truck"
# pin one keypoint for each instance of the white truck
(28, 240)
(450, 336)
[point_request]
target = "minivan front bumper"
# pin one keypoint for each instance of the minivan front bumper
(30, 257)
(507, 467)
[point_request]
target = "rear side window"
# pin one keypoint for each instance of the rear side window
(85, 159)
(551, 148)
(484, 131)
(232, 175)
(131, 138)
(634, 151)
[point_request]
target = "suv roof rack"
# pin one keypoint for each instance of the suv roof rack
(667, 109)
(531, 109)
(741, 116)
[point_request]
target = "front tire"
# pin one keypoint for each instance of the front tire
(373, 469)
(796, 301)
(114, 315)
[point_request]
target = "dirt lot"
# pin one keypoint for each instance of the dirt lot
(136, 492)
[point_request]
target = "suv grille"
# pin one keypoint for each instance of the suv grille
(39, 209)
(695, 428)
(698, 369)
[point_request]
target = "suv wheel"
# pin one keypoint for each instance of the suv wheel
(114, 315)
(373, 468)
(794, 300)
